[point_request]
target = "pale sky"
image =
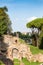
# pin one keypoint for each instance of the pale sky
(22, 11)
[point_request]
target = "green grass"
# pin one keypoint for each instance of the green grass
(21, 40)
(26, 62)
(16, 62)
(35, 50)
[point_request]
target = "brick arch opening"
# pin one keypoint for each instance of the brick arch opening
(15, 52)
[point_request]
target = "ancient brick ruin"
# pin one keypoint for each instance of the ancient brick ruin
(18, 50)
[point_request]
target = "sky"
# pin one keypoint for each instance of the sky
(22, 11)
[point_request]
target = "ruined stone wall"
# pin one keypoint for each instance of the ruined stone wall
(16, 49)
(19, 50)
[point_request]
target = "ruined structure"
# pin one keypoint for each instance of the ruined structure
(18, 50)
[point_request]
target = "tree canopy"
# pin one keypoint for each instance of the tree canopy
(37, 23)
(5, 23)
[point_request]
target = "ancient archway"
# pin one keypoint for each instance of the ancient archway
(15, 53)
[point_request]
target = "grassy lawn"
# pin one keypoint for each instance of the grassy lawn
(35, 50)
(26, 62)
(21, 40)
(16, 62)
